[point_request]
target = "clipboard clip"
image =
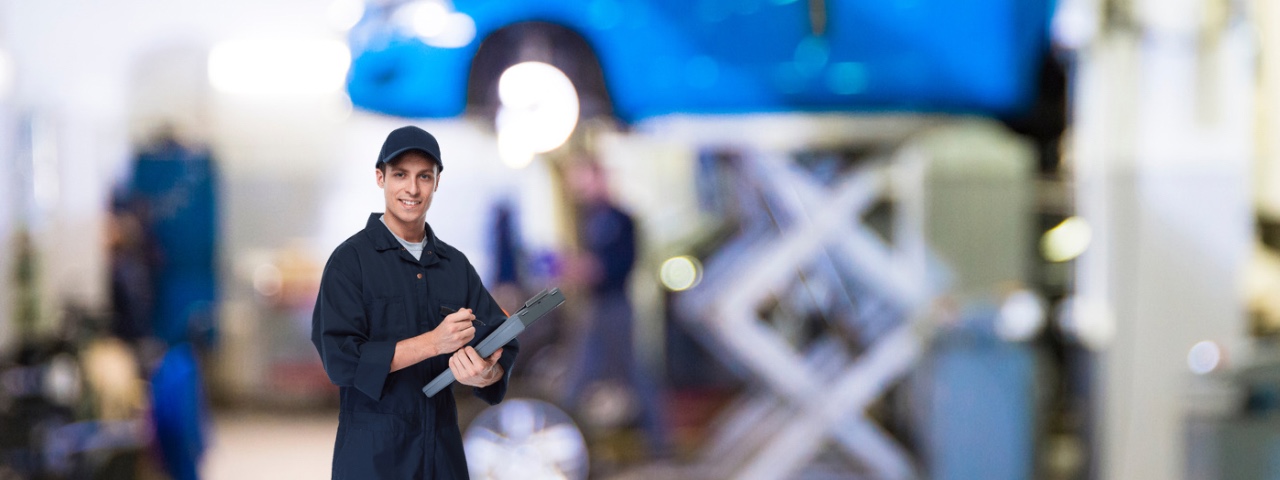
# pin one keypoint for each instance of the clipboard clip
(536, 298)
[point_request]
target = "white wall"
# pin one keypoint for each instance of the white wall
(74, 63)
(1163, 150)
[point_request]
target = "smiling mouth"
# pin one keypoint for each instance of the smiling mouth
(410, 204)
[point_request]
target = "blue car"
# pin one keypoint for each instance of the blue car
(660, 57)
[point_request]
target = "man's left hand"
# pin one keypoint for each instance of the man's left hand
(471, 369)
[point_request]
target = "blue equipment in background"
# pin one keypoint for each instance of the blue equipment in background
(179, 412)
(978, 402)
(722, 56)
(176, 187)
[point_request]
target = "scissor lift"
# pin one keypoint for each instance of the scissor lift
(814, 255)
(817, 392)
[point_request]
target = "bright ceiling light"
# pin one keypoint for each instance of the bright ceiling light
(436, 23)
(680, 273)
(514, 154)
(279, 66)
(345, 14)
(425, 18)
(1066, 241)
(1204, 357)
(459, 30)
(1022, 316)
(1089, 322)
(539, 110)
(268, 280)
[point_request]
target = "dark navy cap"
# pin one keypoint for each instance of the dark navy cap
(408, 138)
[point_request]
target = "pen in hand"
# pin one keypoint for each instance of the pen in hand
(446, 311)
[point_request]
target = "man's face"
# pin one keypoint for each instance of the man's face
(407, 185)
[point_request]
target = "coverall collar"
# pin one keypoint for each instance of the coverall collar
(384, 240)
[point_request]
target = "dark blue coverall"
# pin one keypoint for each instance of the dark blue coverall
(373, 293)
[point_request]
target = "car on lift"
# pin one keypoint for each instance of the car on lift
(420, 58)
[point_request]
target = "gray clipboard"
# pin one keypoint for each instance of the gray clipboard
(534, 309)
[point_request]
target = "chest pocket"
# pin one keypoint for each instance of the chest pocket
(389, 319)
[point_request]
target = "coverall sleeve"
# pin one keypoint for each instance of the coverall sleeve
(486, 309)
(340, 330)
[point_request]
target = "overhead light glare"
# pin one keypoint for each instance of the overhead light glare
(279, 66)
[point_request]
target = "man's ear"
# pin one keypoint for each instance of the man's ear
(381, 179)
(436, 188)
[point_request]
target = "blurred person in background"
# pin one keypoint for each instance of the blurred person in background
(132, 267)
(396, 308)
(167, 229)
(173, 192)
(603, 358)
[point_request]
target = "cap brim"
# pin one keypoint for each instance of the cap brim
(401, 151)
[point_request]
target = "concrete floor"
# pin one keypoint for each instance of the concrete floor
(246, 446)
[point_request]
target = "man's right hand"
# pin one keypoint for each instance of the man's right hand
(451, 335)
(454, 332)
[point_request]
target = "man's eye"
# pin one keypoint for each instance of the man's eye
(399, 174)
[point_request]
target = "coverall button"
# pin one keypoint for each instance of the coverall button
(419, 275)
